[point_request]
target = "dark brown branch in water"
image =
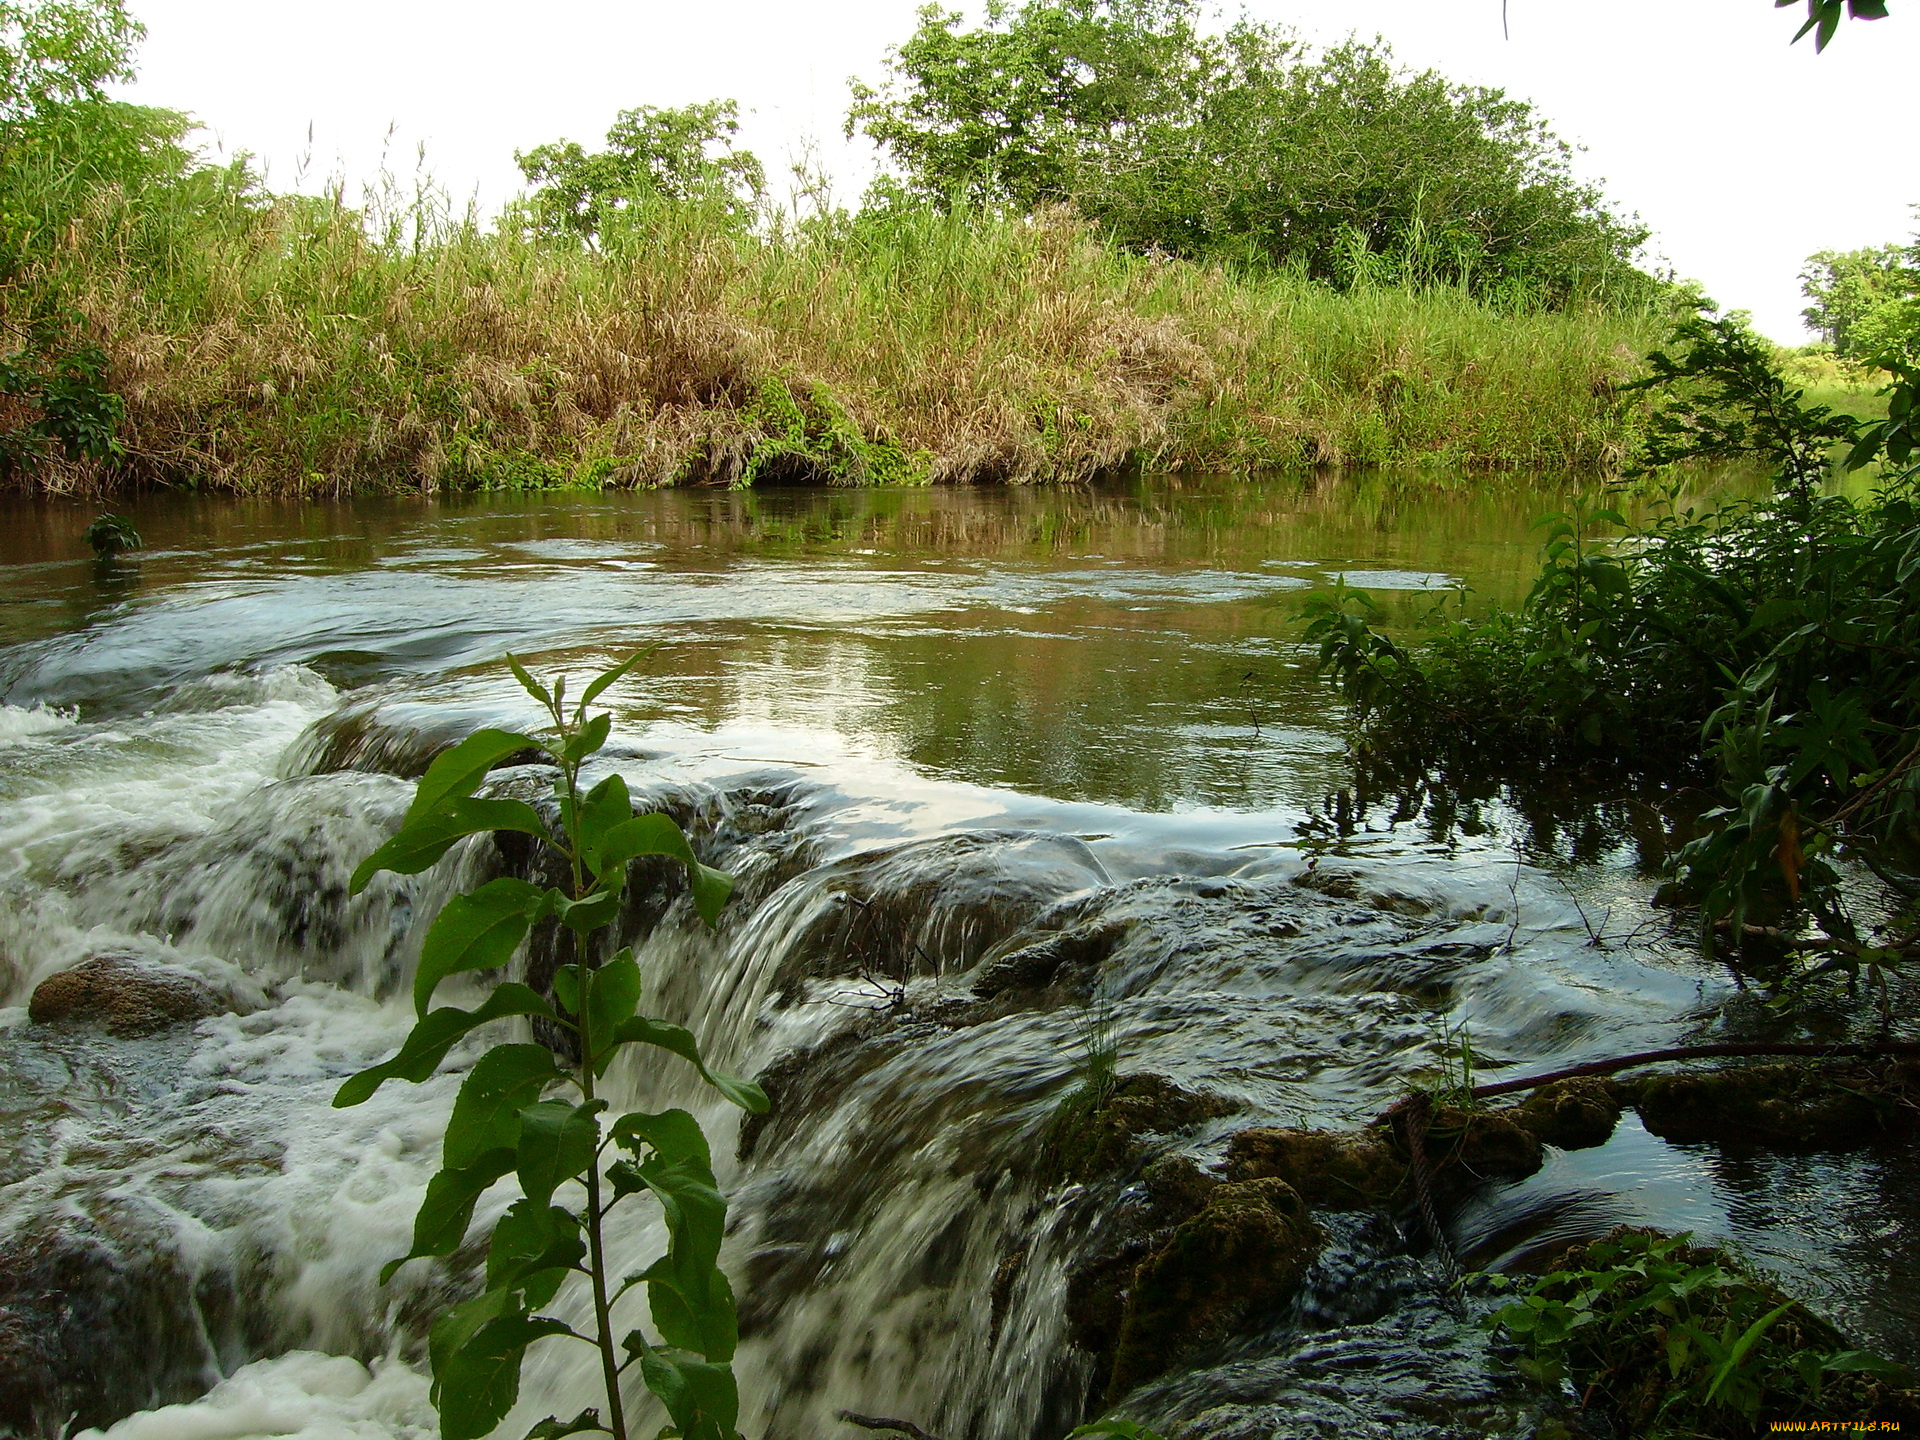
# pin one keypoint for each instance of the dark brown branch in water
(1699, 1052)
(903, 1427)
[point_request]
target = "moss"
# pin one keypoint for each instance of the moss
(1238, 1259)
(1572, 1114)
(1105, 1133)
(1329, 1169)
(1812, 1105)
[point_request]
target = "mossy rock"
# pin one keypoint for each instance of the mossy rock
(1106, 1135)
(1797, 1105)
(1575, 1114)
(1466, 1147)
(1331, 1170)
(1237, 1260)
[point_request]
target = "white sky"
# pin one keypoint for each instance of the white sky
(1745, 154)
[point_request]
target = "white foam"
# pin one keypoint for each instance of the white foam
(302, 1393)
(18, 723)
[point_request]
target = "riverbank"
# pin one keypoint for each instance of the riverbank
(295, 348)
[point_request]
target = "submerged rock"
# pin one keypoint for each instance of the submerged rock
(124, 994)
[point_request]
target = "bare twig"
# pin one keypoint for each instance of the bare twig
(1699, 1052)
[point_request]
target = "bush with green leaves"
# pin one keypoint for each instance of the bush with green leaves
(1768, 650)
(1676, 1340)
(535, 1113)
(1246, 146)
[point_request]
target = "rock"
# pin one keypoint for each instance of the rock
(1465, 1147)
(1331, 1170)
(1810, 1105)
(125, 994)
(1104, 1135)
(1239, 1259)
(1572, 1114)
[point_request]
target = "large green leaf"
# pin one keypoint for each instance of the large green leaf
(691, 1301)
(422, 842)
(458, 1324)
(554, 1428)
(660, 835)
(587, 914)
(459, 771)
(486, 1116)
(613, 993)
(641, 1030)
(702, 1398)
(533, 1248)
(588, 739)
(605, 807)
(430, 1040)
(482, 1378)
(441, 1222)
(477, 931)
(557, 1142)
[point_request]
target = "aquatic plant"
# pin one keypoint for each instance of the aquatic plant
(108, 535)
(1677, 1340)
(528, 1111)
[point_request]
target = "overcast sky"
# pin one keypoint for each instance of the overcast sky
(1743, 153)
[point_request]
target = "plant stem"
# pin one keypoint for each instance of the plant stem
(596, 1246)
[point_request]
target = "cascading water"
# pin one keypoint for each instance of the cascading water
(940, 913)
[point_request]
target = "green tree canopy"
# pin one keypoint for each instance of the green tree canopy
(1866, 303)
(1246, 145)
(678, 153)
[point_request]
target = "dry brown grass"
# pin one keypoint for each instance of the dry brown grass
(290, 352)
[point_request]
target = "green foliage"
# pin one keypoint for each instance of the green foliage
(1677, 1341)
(108, 535)
(61, 396)
(1823, 16)
(681, 154)
(1725, 399)
(56, 54)
(527, 1112)
(821, 442)
(1243, 146)
(1771, 649)
(1866, 303)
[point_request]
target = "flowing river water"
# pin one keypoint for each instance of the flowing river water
(928, 731)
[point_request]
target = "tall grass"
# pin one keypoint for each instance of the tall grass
(295, 345)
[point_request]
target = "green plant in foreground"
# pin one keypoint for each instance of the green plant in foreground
(525, 1111)
(1678, 1341)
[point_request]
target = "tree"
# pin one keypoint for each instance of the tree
(1866, 303)
(60, 53)
(1245, 145)
(675, 153)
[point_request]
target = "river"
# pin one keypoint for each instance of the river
(926, 730)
